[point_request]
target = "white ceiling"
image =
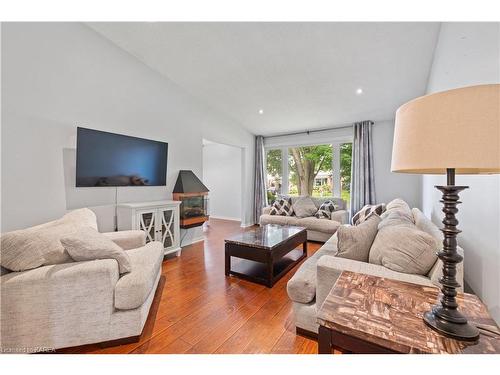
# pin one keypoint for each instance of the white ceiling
(303, 75)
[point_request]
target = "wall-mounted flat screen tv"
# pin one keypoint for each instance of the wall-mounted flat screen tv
(108, 159)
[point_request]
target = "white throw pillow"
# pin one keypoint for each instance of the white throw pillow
(89, 244)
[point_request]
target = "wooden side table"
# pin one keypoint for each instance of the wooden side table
(369, 314)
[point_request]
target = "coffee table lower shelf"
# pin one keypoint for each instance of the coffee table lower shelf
(265, 254)
(260, 273)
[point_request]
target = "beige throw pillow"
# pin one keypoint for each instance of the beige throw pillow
(304, 207)
(20, 252)
(404, 248)
(397, 212)
(426, 225)
(354, 242)
(39, 245)
(89, 244)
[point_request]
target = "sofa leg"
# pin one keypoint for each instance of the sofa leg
(117, 342)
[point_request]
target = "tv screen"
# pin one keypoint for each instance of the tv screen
(107, 159)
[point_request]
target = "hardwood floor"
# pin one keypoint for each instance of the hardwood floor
(197, 309)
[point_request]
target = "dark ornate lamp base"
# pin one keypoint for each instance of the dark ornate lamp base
(446, 319)
(458, 331)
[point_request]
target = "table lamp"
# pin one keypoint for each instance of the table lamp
(450, 132)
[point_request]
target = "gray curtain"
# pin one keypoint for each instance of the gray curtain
(260, 178)
(362, 180)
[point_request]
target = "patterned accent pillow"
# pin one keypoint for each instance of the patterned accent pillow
(282, 207)
(366, 211)
(326, 209)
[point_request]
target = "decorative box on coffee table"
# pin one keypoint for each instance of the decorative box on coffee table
(369, 314)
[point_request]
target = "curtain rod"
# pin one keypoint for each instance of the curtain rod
(313, 131)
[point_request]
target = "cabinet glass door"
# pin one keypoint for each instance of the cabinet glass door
(167, 222)
(147, 221)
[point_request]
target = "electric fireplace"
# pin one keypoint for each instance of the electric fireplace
(193, 195)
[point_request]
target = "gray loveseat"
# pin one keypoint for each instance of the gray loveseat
(76, 303)
(313, 281)
(317, 229)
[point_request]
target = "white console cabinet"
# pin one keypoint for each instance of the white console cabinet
(159, 220)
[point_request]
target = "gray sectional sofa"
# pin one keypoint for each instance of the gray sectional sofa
(317, 229)
(312, 282)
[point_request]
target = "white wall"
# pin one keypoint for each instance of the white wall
(56, 76)
(468, 54)
(222, 176)
(389, 185)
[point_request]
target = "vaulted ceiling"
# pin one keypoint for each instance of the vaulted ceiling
(301, 75)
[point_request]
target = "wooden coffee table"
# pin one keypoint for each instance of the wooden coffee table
(369, 314)
(265, 253)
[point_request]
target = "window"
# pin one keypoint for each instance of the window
(310, 170)
(345, 171)
(319, 170)
(274, 169)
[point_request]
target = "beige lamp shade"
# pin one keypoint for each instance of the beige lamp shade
(458, 129)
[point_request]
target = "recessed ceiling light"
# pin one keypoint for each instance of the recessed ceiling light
(359, 91)
(261, 111)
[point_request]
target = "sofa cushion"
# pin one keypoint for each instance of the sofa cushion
(355, 241)
(312, 223)
(281, 220)
(127, 239)
(282, 207)
(302, 286)
(426, 225)
(397, 212)
(325, 210)
(304, 207)
(89, 244)
(40, 245)
(367, 210)
(396, 204)
(404, 248)
(133, 288)
(20, 252)
(339, 202)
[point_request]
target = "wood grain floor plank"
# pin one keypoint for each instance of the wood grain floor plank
(197, 309)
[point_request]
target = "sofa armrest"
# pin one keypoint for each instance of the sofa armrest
(52, 306)
(341, 216)
(329, 269)
(266, 210)
(128, 239)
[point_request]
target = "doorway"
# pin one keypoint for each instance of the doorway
(222, 174)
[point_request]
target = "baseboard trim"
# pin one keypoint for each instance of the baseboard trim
(246, 225)
(193, 241)
(225, 218)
